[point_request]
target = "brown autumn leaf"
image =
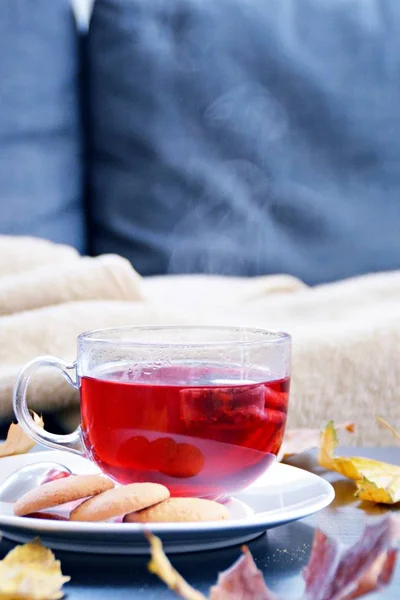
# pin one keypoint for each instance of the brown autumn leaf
(31, 572)
(17, 442)
(376, 481)
(243, 581)
(337, 572)
(297, 441)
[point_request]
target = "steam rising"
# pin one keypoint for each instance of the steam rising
(233, 203)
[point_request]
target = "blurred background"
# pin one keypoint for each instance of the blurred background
(236, 137)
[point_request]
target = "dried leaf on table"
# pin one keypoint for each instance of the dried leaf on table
(30, 572)
(243, 581)
(376, 481)
(297, 441)
(334, 571)
(337, 572)
(18, 442)
(160, 566)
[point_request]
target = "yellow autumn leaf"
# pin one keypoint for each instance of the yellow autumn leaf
(376, 481)
(297, 441)
(377, 492)
(160, 566)
(17, 441)
(31, 572)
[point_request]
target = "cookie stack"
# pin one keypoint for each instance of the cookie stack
(103, 501)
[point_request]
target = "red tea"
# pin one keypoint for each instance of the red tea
(205, 440)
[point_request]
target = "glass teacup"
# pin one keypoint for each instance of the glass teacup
(201, 410)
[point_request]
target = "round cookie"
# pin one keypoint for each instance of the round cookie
(119, 501)
(60, 491)
(180, 510)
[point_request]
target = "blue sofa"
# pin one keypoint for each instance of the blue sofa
(240, 137)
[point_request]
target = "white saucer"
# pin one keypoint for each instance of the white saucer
(281, 495)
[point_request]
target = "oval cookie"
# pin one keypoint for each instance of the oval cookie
(179, 510)
(61, 491)
(120, 501)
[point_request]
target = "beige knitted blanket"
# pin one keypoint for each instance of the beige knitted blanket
(346, 335)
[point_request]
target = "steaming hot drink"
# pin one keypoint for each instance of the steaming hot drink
(201, 410)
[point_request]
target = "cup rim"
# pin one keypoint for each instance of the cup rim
(275, 336)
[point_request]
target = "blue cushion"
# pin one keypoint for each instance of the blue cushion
(40, 135)
(247, 136)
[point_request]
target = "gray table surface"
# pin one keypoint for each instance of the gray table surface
(281, 554)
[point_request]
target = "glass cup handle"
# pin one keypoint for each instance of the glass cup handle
(70, 442)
